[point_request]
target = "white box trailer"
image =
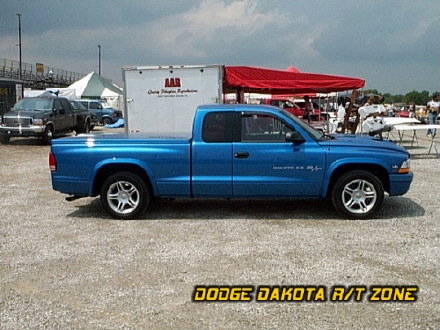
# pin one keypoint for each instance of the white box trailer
(163, 99)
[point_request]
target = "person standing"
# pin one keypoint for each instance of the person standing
(432, 109)
(390, 110)
(308, 107)
(412, 110)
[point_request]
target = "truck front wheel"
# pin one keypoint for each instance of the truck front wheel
(125, 195)
(47, 135)
(4, 138)
(357, 194)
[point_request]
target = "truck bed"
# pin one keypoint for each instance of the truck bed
(165, 158)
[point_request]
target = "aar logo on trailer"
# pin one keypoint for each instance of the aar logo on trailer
(173, 82)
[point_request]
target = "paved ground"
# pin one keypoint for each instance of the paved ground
(68, 265)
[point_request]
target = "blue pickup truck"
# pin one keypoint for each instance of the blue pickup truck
(235, 151)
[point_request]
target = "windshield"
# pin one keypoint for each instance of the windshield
(33, 105)
(317, 135)
(288, 104)
(105, 105)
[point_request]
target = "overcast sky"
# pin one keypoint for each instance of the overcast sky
(393, 45)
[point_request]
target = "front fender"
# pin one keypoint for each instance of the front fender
(342, 166)
(51, 123)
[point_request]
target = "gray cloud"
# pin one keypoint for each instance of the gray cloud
(394, 45)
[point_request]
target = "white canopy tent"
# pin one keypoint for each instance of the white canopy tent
(94, 86)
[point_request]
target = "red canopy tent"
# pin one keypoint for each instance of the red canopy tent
(261, 80)
(293, 69)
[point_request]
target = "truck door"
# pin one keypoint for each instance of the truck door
(71, 118)
(264, 164)
(212, 156)
(62, 116)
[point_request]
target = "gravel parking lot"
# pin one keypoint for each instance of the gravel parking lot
(68, 265)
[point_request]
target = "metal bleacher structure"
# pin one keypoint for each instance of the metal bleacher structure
(44, 77)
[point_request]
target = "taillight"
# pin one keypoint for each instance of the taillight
(52, 162)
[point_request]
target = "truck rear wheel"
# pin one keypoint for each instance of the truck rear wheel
(125, 195)
(85, 128)
(357, 194)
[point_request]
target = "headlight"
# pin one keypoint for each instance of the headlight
(405, 167)
(37, 121)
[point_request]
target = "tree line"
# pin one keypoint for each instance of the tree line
(420, 98)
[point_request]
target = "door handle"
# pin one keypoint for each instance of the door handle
(241, 155)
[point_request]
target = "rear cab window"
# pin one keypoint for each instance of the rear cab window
(218, 127)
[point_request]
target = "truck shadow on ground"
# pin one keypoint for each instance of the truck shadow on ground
(25, 142)
(215, 209)
(32, 141)
(425, 156)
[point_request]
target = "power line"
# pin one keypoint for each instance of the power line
(47, 41)
(8, 27)
(57, 45)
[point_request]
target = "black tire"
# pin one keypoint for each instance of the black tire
(106, 121)
(85, 128)
(4, 138)
(48, 135)
(125, 195)
(357, 194)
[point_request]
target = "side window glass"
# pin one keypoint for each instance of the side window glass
(288, 104)
(263, 128)
(58, 107)
(94, 105)
(217, 127)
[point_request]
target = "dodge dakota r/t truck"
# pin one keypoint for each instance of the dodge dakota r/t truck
(235, 151)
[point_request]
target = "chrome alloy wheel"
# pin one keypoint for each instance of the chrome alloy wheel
(123, 197)
(359, 196)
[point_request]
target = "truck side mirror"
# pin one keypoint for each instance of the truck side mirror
(294, 137)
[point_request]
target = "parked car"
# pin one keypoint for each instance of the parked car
(104, 112)
(400, 110)
(296, 108)
(43, 117)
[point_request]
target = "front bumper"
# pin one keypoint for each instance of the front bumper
(400, 183)
(22, 131)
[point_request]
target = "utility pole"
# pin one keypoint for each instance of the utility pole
(99, 59)
(19, 52)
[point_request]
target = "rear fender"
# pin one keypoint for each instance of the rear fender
(109, 166)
